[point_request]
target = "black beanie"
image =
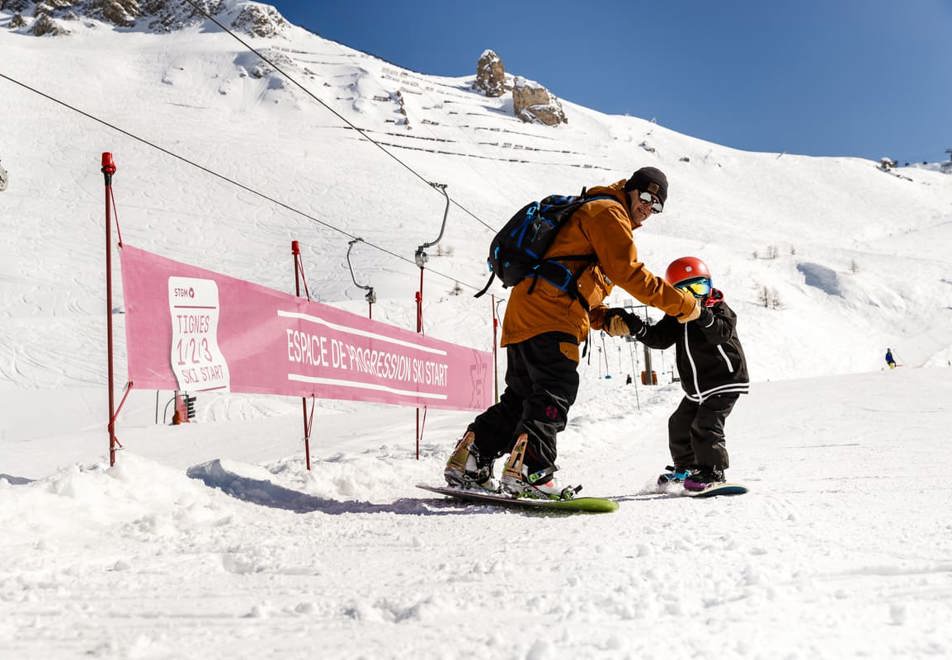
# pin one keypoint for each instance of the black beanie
(649, 179)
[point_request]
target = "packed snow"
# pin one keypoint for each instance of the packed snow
(212, 539)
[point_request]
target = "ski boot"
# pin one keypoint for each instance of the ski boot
(673, 475)
(466, 469)
(703, 478)
(540, 484)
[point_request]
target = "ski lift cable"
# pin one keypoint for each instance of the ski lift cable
(215, 174)
(423, 127)
(304, 89)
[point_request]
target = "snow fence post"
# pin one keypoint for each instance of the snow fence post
(108, 169)
(296, 255)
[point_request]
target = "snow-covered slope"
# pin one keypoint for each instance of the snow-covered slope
(840, 550)
(847, 258)
(880, 238)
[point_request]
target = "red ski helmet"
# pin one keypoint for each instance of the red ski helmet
(685, 269)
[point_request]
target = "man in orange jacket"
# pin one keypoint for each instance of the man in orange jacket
(543, 327)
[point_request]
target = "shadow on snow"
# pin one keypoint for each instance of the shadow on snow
(266, 493)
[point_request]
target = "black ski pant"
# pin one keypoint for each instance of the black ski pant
(696, 432)
(541, 385)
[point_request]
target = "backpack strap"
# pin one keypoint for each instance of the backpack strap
(482, 291)
(568, 284)
(548, 263)
(579, 257)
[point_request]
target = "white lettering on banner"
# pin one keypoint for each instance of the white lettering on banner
(319, 351)
(307, 349)
(197, 361)
(366, 386)
(359, 332)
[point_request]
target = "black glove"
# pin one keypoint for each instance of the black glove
(706, 318)
(619, 323)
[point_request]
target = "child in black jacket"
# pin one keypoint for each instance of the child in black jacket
(713, 374)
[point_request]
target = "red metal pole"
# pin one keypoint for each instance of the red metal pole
(108, 169)
(296, 253)
(419, 305)
(307, 435)
(419, 329)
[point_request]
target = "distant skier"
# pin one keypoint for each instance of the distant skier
(889, 358)
(713, 374)
(4, 178)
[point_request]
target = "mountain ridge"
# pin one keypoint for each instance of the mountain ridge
(55, 17)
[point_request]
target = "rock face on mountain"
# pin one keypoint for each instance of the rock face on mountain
(260, 21)
(533, 103)
(490, 74)
(51, 17)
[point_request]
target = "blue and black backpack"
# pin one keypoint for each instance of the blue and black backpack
(518, 250)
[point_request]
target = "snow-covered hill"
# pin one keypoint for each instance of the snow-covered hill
(878, 239)
(826, 260)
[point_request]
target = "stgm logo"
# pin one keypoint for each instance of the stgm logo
(181, 292)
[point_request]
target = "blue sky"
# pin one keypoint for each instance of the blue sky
(867, 78)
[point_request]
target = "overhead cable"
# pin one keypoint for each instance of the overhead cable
(304, 89)
(223, 177)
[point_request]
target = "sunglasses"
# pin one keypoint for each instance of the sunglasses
(656, 205)
(699, 287)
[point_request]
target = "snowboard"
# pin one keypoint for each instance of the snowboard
(715, 491)
(576, 505)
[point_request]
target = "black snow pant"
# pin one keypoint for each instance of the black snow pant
(541, 385)
(696, 432)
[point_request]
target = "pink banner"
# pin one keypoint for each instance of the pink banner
(195, 330)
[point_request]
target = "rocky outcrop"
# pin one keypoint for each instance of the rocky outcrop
(252, 18)
(170, 15)
(44, 25)
(260, 21)
(122, 13)
(16, 6)
(490, 75)
(533, 103)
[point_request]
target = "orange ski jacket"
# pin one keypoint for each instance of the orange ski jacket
(602, 228)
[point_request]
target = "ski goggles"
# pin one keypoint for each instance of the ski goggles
(656, 205)
(699, 287)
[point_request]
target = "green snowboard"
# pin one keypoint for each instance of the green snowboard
(576, 505)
